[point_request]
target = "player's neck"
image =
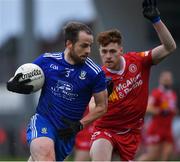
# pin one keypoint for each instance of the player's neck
(120, 68)
(68, 58)
(122, 63)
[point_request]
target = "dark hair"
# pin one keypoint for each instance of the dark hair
(109, 36)
(72, 29)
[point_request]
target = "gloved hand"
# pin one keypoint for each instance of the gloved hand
(110, 85)
(73, 128)
(17, 86)
(164, 112)
(150, 10)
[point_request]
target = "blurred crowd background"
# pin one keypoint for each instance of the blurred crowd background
(29, 28)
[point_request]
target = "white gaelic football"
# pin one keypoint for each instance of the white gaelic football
(33, 72)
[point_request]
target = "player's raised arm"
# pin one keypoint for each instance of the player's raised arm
(151, 12)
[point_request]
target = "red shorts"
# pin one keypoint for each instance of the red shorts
(125, 144)
(83, 138)
(156, 135)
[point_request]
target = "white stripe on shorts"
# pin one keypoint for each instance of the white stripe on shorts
(33, 126)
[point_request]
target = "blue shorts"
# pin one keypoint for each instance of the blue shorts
(41, 127)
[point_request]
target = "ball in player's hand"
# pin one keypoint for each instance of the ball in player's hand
(33, 72)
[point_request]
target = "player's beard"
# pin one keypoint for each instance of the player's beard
(167, 86)
(76, 58)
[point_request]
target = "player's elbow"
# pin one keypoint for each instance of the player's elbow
(172, 47)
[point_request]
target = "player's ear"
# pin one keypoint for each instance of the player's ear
(121, 50)
(69, 44)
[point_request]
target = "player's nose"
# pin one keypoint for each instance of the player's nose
(88, 50)
(108, 55)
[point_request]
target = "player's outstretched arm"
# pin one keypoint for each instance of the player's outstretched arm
(151, 12)
(100, 107)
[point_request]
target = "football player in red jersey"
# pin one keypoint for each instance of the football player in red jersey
(120, 128)
(162, 104)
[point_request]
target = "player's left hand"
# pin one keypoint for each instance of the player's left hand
(17, 86)
(73, 128)
(165, 112)
(150, 10)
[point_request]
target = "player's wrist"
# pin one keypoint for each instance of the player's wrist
(156, 20)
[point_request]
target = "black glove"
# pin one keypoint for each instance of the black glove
(110, 85)
(17, 86)
(150, 10)
(72, 130)
(165, 112)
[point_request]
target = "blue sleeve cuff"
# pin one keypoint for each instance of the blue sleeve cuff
(155, 20)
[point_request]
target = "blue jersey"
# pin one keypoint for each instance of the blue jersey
(68, 88)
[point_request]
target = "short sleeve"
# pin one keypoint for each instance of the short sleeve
(146, 57)
(99, 83)
(39, 61)
(42, 63)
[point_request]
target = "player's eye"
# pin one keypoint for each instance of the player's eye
(103, 51)
(84, 45)
(112, 51)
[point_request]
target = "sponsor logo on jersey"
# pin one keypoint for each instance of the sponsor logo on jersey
(64, 90)
(123, 89)
(82, 75)
(132, 68)
(61, 85)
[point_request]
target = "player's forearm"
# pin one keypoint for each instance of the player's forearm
(165, 36)
(152, 110)
(94, 114)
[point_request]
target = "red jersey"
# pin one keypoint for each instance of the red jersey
(165, 101)
(128, 101)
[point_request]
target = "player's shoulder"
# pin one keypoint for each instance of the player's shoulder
(137, 55)
(92, 67)
(54, 55)
(156, 91)
(105, 70)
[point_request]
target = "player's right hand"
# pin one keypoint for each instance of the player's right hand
(17, 86)
(150, 10)
(73, 128)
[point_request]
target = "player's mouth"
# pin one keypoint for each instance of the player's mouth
(109, 62)
(84, 57)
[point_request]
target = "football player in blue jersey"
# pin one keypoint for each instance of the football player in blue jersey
(71, 78)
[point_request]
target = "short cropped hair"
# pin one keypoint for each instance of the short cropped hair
(72, 29)
(109, 36)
